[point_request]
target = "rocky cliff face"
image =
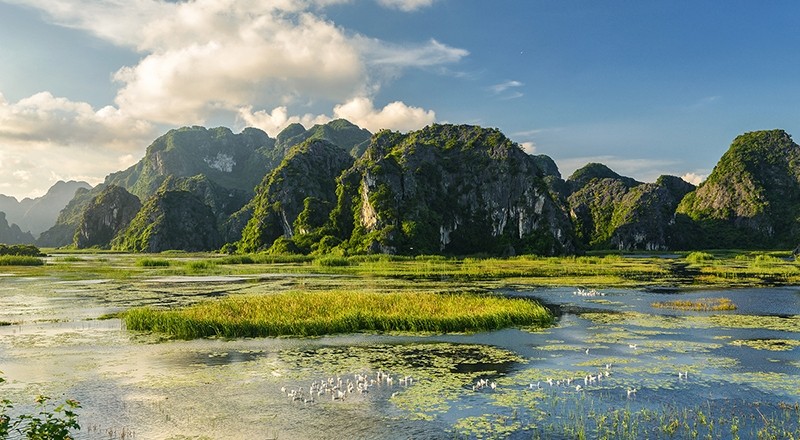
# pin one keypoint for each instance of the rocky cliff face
(297, 197)
(171, 220)
(447, 188)
(107, 215)
(219, 167)
(644, 218)
(752, 197)
(612, 211)
(232, 161)
(63, 232)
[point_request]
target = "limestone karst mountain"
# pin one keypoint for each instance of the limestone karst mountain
(454, 189)
(752, 197)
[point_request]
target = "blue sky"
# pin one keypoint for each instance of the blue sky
(646, 87)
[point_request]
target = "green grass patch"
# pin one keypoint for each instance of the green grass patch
(332, 261)
(702, 304)
(201, 265)
(20, 260)
(699, 257)
(334, 311)
(152, 262)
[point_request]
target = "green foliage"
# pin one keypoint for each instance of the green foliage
(17, 260)
(25, 250)
(283, 246)
(48, 423)
(766, 260)
(152, 262)
(699, 257)
(332, 261)
(752, 198)
(200, 265)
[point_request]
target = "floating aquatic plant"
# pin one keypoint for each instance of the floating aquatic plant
(768, 344)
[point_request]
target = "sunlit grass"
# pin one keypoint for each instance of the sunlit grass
(702, 304)
(334, 311)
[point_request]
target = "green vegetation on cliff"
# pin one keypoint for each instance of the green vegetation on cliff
(171, 220)
(752, 197)
(106, 215)
(448, 188)
(295, 200)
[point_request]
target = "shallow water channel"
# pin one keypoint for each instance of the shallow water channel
(609, 358)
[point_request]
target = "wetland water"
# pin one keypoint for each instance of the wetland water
(742, 368)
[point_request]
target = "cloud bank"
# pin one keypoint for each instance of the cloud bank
(264, 63)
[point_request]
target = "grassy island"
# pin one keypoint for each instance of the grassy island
(328, 312)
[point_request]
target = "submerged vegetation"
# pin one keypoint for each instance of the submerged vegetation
(328, 312)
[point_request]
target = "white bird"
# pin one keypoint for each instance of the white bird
(633, 346)
(631, 391)
(493, 385)
(578, 388)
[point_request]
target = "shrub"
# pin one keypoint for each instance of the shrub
(152, 262)
(699, 257)
(767, 260)
(54, 423)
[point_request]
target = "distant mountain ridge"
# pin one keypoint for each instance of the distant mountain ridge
(39, 214)
(217, 166)
(453, 189)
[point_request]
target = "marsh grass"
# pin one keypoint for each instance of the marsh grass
(153, 262)
(730, 269)
(20, 260)
(579, 420)
(334, 311)
(699, 257)
(702, 304)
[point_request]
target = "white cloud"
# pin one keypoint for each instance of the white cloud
(406, 5)
(528, 147)
(210, 58)
(205, 56)
(432, 53)
(46, 118)
(266, 60)
(360, 111)
(502, 87)
(43, 134)
(395, 116)
(694, 178)
(275, 121)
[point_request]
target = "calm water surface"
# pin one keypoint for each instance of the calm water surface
(134, 386)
